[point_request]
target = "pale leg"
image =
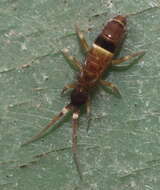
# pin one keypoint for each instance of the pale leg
(82, 39)
(110, 85)
(126, 58)
(75, 63)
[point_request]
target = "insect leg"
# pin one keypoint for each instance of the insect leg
(68, 86)
(126, 58)
(74, 141)
(72, 60)
(64, 111)
(82, 39)
(110, 85)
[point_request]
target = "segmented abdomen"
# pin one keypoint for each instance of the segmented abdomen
(97, 61)
(100, 55)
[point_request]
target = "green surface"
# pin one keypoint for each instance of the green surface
(125, 132)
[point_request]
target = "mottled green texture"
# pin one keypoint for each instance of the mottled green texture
(126, 131)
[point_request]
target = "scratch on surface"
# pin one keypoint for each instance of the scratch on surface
(5, 70)
(138, 171)
(31, 115)
(25, 66)
(153, 113)
(39, 89)
(135, 119)
(63, 149)
(7, 162)
(145, 10)
(17, 104)
(36, 158)
(33, 61)
(11, 119)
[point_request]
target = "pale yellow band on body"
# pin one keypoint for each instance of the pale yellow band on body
(102, 50)
(121, 23)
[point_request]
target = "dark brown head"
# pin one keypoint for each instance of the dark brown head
(79, 97)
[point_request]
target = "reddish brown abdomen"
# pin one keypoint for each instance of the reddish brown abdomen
(96, 63)
(100, 55)
(112, 34)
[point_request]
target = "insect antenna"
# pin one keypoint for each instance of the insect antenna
(74, 141)
(64, 111)
(142, 11)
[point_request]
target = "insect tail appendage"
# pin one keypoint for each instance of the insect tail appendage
(64, 111)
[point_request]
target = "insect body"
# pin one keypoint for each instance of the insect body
(99, 58)
(101, 54)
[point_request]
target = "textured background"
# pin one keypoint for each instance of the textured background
(122, 149)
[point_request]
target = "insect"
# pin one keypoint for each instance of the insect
(99, 58)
